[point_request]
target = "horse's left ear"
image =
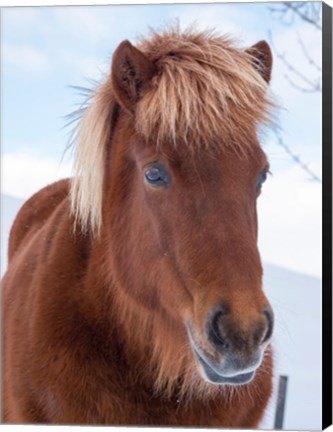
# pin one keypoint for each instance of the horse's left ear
(131, 73)
(263, 59)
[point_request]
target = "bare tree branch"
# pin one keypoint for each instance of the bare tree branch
(316, 87)
(296, 158)
(312, 85)
(307, 55)
(311, 18)
(287, 12)
(310, 13)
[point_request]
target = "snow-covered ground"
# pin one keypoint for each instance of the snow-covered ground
(296, 300)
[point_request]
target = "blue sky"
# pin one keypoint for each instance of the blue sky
(45, 50)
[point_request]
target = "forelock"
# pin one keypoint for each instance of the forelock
(206, 93)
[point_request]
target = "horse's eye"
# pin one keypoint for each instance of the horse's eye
(261, 180)
(156, 175)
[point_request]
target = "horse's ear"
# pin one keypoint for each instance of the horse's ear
(131, 72)
(262, 59)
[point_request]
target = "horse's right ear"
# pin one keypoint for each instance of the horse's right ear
(262, 59)
(131, 73)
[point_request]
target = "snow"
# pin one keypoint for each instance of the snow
(297, 341)
(296, 300)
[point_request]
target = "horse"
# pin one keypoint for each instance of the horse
(133, 294)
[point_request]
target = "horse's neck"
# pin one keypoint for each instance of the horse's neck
(101, 308)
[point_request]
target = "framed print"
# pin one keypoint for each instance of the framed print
(166, 194)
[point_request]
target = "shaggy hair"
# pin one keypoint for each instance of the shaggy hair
(207, 94)
(172, 373)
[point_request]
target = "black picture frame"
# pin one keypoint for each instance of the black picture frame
(327, 216)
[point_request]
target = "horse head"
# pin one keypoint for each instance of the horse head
(172, 172)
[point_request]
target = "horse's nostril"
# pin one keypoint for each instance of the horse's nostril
(270, 323)
(227, 334)
(215, 333)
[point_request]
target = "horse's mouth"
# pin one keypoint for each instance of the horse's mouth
(221, 372)
(216, 378)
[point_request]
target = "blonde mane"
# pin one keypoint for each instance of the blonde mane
(207, 94)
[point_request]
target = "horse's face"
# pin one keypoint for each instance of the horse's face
(191, 239)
